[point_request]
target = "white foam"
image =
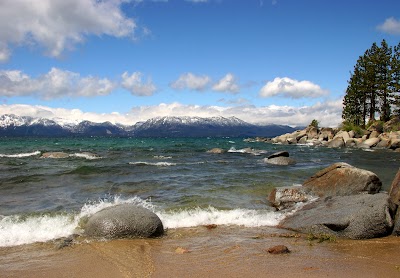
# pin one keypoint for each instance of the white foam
(160, 164)
(240, 217)
(16, 231)
(86, 155)
(162, 157)
(20, 155)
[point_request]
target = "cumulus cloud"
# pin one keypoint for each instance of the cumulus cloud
(134, 84)
(227, 84)
(56, 25)
(390, 26)
(292, 88)
(56, 83)
(327, 113)
(191, 81)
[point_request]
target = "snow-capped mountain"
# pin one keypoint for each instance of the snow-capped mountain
(12, 125)
(202, 127)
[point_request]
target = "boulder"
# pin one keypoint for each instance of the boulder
(312, 132)
(342, 179)
(352, 142)
(291, 140)
(216, 150)
(374, 134)
(336, 143)
(342, 134)
(394, 191)
(124, 221)
(359, 216)
(54, 155)
(300, 134)
(280, 160)
(278, 249)
(303, 140)
(326, 134)
(278, 154)
(286, 196)
(369, 143)
(384, 143)
(394, 144)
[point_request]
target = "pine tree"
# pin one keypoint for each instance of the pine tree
(374, 85)
(395, 82)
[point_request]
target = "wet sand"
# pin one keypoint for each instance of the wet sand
(202, 252)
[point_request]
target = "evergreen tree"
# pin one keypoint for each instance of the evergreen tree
(374, 85)
(395, 82)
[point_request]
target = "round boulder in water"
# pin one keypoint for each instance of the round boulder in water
(124, 221)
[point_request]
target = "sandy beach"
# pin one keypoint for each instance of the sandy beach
(203, 252)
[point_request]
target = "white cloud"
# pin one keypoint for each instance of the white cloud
(227, 84)
(291, 88)
(56, 25)
(327, 113)
(56, 83)
(390, 26)
(134, 84)
(191, 82)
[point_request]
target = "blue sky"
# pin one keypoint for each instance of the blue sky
(264, 61)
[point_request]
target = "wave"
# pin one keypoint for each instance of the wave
(247, 151)
(18, 230)
(86, 155)
(23, 229)
(160, 164)
(20, 155)
(211, 215)
(162, 157)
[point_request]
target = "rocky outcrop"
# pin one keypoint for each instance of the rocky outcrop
(348, 205)
(375, 137)
(341, 179)
(359, 216)
(124, 221)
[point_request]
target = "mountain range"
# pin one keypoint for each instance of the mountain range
(13, 125)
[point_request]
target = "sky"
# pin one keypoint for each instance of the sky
(124, 61)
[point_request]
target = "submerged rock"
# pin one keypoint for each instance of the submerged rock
(280, 160)
(216, 151)
(278, 154)
(54, 155)
(341, 179)
(124, 221)
(359, 216)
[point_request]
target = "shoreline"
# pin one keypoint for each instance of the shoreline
(230, 251)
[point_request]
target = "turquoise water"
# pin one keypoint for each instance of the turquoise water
(176, 178)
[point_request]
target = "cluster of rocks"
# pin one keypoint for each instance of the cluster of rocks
(336, 138)
(345, 202)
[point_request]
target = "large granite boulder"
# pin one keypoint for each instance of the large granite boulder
(359, 216)
(394, 192)
(341, 179)
(124, 221)
(369, 143)
(336, 143)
